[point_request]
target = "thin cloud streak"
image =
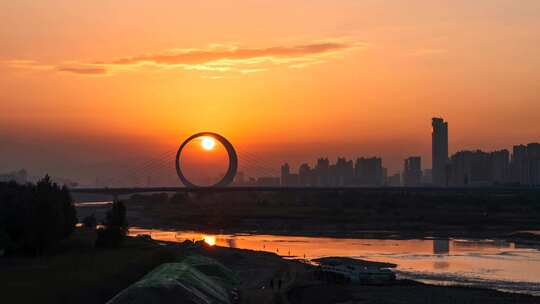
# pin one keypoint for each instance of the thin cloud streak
(216, 58)
(68, 67)
(83, 69)
(196, 56)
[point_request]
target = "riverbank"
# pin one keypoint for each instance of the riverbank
(79, 273)
(487, 259)
(257, 269)
(494, 261)
(403, 292)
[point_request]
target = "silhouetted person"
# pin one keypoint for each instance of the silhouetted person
(272, 284)
(279, 284)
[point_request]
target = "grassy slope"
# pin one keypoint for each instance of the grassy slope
(78, 273)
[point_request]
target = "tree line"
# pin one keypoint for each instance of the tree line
(35, 216)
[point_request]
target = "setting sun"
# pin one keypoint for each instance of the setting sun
(208, 143)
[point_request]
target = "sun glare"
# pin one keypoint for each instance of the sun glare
(208, 143)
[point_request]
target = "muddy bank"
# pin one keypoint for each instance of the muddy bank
(260, 273)
(402, 292)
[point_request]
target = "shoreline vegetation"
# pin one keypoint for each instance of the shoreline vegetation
(398, 215)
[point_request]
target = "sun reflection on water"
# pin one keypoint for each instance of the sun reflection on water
(209, 239)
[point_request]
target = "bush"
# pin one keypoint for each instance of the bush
(109, 237)
(178, 198)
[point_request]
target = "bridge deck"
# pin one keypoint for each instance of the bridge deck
(127, 190)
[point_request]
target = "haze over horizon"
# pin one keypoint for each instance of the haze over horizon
(88, 89)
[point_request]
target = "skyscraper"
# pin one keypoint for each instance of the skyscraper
(525, 164)
(305, 175)
(439, 151)
(500, 162)
(285, 172)
(343, 173)
(322, 170)
(533, 152)
(369, 171)
(288, 179)
(412, 171)
(470, 168)
(519, 165)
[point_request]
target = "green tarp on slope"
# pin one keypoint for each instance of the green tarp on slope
(175, 283)
(214, 269)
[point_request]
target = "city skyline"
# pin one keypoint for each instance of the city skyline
(463, 167)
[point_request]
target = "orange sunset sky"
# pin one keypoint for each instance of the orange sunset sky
(93, 87)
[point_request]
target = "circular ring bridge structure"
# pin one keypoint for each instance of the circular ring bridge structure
(233, 161)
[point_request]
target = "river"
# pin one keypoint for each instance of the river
(486, 263)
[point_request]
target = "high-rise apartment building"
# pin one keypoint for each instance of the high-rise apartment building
(439, 151)
(500, 162)
(412, 171)
(369, 171)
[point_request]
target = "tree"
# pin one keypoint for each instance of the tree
(90, 221)
(117, 215)
(70, 213)
(116, 226)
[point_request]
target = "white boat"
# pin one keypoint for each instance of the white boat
(354, 270)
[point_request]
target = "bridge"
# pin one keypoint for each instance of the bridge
(164, 164)
(411, 190)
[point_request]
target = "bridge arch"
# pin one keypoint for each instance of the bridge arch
(228, 178)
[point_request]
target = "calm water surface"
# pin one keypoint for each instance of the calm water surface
(484, 263)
